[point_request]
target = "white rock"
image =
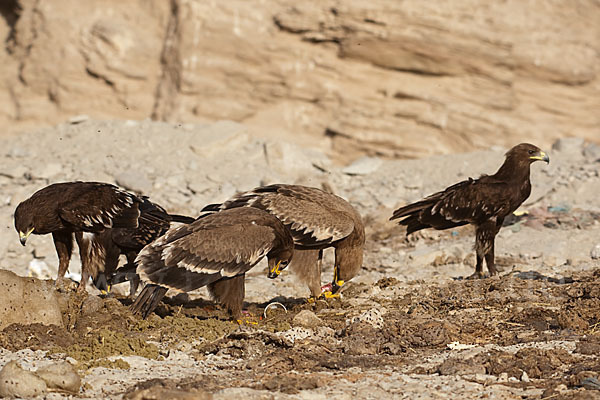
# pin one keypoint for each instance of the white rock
(592, 151)
(373, 317)
(363, 166)
(307, 319)
(525, 377)
(50, 170)
(459, 346)
(77, 119)
(595, 253)
(571, 145)
(296, 333)
(136, 181)
(60, 375)
(17, 382)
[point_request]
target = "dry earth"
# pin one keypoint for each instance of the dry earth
(408, 326)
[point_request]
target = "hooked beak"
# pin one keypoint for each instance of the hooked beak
(275, 271)
(542, 157)
(23, 236)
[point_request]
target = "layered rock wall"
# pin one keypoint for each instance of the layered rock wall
(392, 78)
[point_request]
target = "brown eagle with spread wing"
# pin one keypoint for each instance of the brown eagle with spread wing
(216, 250)
(317, 220)
(483, 202)
(80, 209)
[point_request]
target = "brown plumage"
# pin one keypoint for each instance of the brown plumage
(317, 220)
(154, 221)
(83, 209)
(216, 250)
(483, 202)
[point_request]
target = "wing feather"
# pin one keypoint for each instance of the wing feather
(314, 217)
(470, 201)
(97, 206)
(194, 255)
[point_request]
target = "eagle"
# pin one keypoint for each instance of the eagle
(153, 222)
(80, 209)
(215, 251)
(317, 220)
(483, 202)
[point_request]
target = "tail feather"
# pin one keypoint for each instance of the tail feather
(413, 224)
(148, 299)
(216, 207)
(411, 209)
(181, 218)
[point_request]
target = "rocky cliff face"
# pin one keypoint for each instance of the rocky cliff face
(391, 78)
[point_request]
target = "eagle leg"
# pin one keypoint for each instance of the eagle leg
(336, 284)
(229, 292)
(84, 255)
(63, 242)
(85, 276)
(489, 260)
(478, 274)
(484, 248)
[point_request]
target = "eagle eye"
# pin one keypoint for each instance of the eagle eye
(531, 151)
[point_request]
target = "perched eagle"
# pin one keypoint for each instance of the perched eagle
(216, 250)
(84, 209)
(153, 222)
(317, 220)
(483, 202)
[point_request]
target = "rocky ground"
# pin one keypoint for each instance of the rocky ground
(408, 326)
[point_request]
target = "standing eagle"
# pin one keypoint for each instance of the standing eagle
(83, 209)
(317, 220)
(216, 250)
(153, 222)
(483, 202)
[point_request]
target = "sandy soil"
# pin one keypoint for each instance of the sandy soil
(408, 326)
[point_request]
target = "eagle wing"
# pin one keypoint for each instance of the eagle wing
(153, 222)
(471, 201)
(192, 256)
(315, 218)
(98, 206)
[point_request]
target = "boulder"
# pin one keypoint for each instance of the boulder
(27, 301)
(15, 382)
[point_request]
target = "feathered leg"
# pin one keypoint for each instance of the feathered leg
(489, 260)
(133, 277)
(478, 267)
(84, 254)
(63, 241)
(484, 248)
(306, 264)
(229, 292)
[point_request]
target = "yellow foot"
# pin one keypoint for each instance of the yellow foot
(329, 295)
(246, 322)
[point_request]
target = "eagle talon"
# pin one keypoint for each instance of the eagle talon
(477, 275)
(246, 322)
(330, 295)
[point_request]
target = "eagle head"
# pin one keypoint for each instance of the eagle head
(529, 152)
(278, 261)
(24, 223)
